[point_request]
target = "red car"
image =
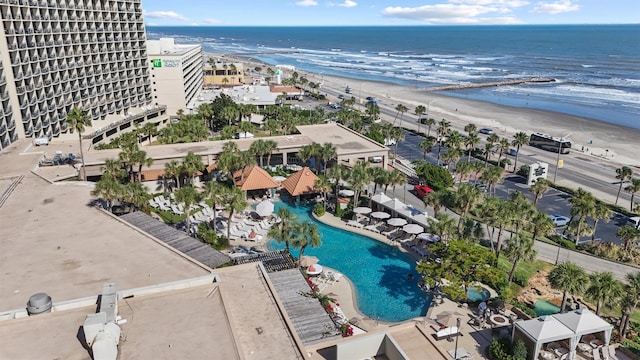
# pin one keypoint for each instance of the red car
(422, 190)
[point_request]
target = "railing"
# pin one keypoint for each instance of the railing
(126, 120)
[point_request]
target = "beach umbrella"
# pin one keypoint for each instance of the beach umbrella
(448, 318)
(265, 208)
(380, 215)
(362, 210)
(346, 193)
(413, 229)
(308, 260)
(397, 222)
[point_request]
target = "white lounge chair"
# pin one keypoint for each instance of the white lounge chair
(450, 331)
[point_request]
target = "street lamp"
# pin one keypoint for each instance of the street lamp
(555, 173)
(455, 353)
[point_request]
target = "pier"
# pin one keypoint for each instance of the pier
(489, 84)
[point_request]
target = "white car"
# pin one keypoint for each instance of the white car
(559, 220)
(486, 131)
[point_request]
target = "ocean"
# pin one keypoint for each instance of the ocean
(596, 67)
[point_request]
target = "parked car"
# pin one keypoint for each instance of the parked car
(634, 222)
(422, 190)
(370, 98)
(486, 131)
(340, 96)
(559, 220)
(482, 187)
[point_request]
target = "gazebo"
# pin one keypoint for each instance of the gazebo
(302, 182)
(254, 178)
(584, 323)
(571, 328)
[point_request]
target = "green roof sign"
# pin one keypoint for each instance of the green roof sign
(157, 63)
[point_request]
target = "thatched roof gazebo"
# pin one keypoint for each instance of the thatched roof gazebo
(302, 182)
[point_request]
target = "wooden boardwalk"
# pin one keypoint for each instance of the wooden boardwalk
(311, 321)
(488, 84)
(176, 239)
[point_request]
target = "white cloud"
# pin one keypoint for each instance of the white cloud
(348, 3)
(439, 11)
(555, 8)
(504, 3)
(165, 15)
(211, 21)
(307, 3)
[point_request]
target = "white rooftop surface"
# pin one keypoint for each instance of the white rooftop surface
(167, 46)
(53, 241)
(344, 139)
(583, 321)
(216, 321)
(545, 329)
(243, 94)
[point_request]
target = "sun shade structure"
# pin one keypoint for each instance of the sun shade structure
(380, 215)
(394, 204)
(569, 327)
(362, 210)
(380, 198)
(396, 222)
(265, 208)
(346, 192)
(301, 182)
(413, 229)
(253, 178)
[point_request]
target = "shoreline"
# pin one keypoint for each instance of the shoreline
(589, 136)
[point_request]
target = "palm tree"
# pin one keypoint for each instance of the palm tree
(229, 113)
(471, 141)
(206, 113)
(397, 134)
(245, 127)
(323, 185)
(568, 278)
(541, 224)
(359, 178)
(108, 188)
(282, 232)
(401, 109)
(628, 234)
(582, 205)
(519, 139)
(600, 212)
(623, 174)
(519, 248)
(604, 287)
(214, 191)
(429, 123)
(187, 196)
(443, 130)
(257, 148)
(464, 169)
(426, 145)
(503, 147)
(443, 225)
(629, 301)
(78, 120)
(540, 187)
(436, 200)
(633, 188)
(191, 165)
(307, 235)
(466, 197)
(419, 111)
(136, 194)
(269, 147)
(327, 152)
(234, 201)
(149, 130)
(172, 169)
(491, 176)
(338, 173)
(140, 158)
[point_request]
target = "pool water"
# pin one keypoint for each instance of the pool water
(478, 293)
(378, 271)
(545, 307)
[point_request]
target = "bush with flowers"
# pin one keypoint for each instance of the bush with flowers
(346, 330)
(329, 304)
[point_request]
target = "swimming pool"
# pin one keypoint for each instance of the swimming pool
(545, 307)
(478, 293)
(378, 271)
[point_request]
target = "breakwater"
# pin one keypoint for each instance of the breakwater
(489, 84)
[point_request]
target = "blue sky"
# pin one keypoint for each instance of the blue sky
(388, 12)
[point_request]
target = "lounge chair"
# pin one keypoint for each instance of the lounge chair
(446, 332)
(372, 228)
(596, 354)
(609, 352)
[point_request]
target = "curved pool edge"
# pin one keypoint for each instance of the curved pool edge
(336, 222)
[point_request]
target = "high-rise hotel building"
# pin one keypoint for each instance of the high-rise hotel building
(60, 54)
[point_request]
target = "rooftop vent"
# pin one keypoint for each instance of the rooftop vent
(39, 303)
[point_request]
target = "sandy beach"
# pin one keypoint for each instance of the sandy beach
(616, 144)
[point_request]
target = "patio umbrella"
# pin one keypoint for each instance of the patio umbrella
(346, 192)
(380, 215)
(362, 210)
(413, 229)
(308, 260)
(264, 208)
(448, 318)
(397, 222)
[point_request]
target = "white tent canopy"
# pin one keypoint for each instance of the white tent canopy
(569, 326)
(394, 204)
(265, 208)
(380, 198)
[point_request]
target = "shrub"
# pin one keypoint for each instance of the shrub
(521, 278)
(436, 176)
(526, 309)
(523, 171)
(519, 350)
(318, 209)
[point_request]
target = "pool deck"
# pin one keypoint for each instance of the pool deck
(475, 340)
